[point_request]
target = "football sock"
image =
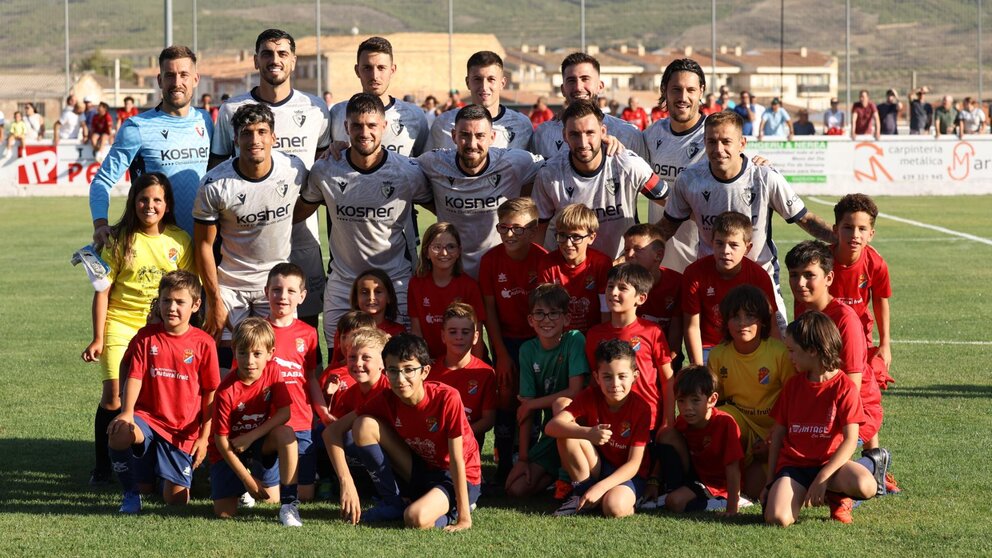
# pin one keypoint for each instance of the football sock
(377, 464)
(868, 464)
(503, 442)
(579, 487)
(287, 493)
(671, 467)
(100, 424)
(120, 461)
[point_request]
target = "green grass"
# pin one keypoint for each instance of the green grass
(938, 424)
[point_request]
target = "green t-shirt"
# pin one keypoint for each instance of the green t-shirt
(545, 372)
(945, 119)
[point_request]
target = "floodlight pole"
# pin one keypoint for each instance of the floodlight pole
(713, 45)
(195, 45)
(981, 102)
(168, 23)
(320, 73)
(847, 52)
(451, 49)
(68, 75)
(582, 24)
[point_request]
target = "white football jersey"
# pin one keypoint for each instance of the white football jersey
(669, 153)
(611, 191)
(370, 214)
(470, 202)
(513, 130)
(548, 139)
(254, 217)
(406, 127)
(755, 192)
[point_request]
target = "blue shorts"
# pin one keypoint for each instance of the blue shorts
(225, 484)
(156, 457)
(637, 484)
(423, 479)
(802, 475)
(306, 467)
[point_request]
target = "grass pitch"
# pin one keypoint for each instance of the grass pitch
(937, 424)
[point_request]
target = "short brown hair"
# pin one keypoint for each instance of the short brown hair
(518, 206)
(577, 216)
(364, 337)
(555, 297)
(175, 52)
(287, 269)
(730, 222)
(460, 310)
(853, 203)
(484, 59)
(181, 280)
(695, 380)
(751, 300)
(728, 117)
(376, 45)
(581, 109)
(254, 332)
(817, 333)
(577, 58)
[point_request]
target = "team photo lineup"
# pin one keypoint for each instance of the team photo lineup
(618, 363)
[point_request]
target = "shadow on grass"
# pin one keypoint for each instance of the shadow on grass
(967, 391)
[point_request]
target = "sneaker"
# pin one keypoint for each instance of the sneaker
(100, 479)
(880, 457)
(383, 511)
(647, 504)
(570, 507)
(289, 515)
(840, 507)
(246, 501)
(891, 486)
(131, 504)
(562, 489)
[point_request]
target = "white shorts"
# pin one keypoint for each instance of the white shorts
(311, 260)
(241, 305)
(337, 302)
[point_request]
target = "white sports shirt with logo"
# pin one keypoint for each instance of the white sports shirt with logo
(611, 191)
(254, 217)
(669, 153)
(470, 202)
(370, 213)
(513, 130)
(406, 127)
(302, 128)
(755, 192)
(548, 139)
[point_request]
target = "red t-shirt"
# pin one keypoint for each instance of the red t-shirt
(630, 424)
(392, 328)
(295, 356)
(703, 289)
(637, 117)
(351, 398)
(854, 350)
(538, 117)
(712, 448)
(814, 415)
(706, 110)
(866, 120)
(856, 285)
(123, 115)
(664, 299)
(657, 113)
(175, 371)
(240, 408)
(651, 348)
(344, 381)
(509, 282)
(101, 124)
(427, 302)
(585, 284)
(476, 383)
(427, 426)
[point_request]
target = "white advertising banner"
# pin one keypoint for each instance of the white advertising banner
(43, 169)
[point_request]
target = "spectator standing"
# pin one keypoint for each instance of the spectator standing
(803, 127)
(207, 104)
(776, 122)
(945, 118)
(888, 113)
(541, 113)
(834, 119)
(747, 108)
(864, 116)
(659, 111)
(70, 124)
(635, 114)
(920, 112)
(711, 105)
(972, 117)
(127, 111)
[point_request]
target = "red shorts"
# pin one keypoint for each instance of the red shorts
(873, 421)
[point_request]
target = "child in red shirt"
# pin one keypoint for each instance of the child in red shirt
(602, 435)
(459, 368)
(416, 443)
(701, 457)
(577, 267)
(816, 431)
(164, 424)
(707, 280)
(439, 281)
(254, 450)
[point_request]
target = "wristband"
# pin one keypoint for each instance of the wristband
(653, 482)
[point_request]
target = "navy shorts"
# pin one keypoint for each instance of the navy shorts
(225, 484)
(423, 479)
(802, 475)
(306, 467)
(637, 484)
(156, 457)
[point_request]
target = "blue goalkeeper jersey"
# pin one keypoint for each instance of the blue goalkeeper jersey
(154, 141)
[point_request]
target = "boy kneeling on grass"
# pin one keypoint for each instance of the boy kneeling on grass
(602, 434)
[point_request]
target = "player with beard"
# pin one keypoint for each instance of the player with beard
(580, 81)
(406, 125)
(471, 181)
(172, 138)
(485, 81)
(369, 192)
(301, 128)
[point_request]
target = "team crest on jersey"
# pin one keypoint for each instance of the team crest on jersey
(495, 179)
(509, 135)
(764, 376)
(473, 387)
(558, 144)
(569, 190)
(692, 150)
(635, 343)
(706, 195)
(432, 424)
(153, 350)
(199, 130)
(426, 303)
(590, 283)
(173, 255)
(625, 429)
(387, 189)
(501, 278)
(299, 118)
(748, 196)
(301, 345)
(241, 406)
(398, 423)
(165, 134)
(611, 186)
(396, 127)
(862, 281)
(710, 291)
(282, 188)
(724, 372)
(342, 184)
(188, 356)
